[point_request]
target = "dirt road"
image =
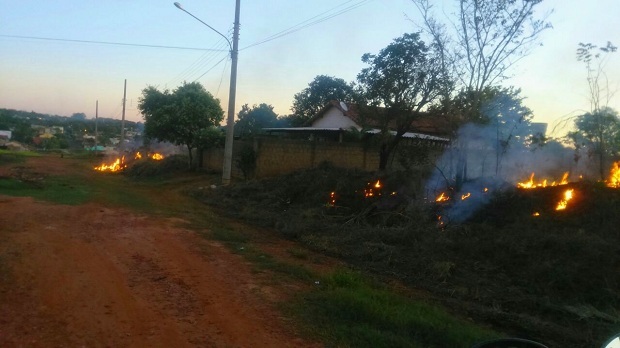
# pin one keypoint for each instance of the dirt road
(95, 276)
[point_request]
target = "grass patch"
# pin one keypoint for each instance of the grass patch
(228, 236)
(11, 157)
(266, 261)
(349, 310)
(61, 190)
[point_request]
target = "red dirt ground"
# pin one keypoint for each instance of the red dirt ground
(95, 276)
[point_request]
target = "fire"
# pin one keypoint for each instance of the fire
(332, 199)
(155, 156)
(614, 176)
(370, 191)
(536, 214)
(568, 195)
(117, 165)
(465, 196)
(530, 184)
(442, 197)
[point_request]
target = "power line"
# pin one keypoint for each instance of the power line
(109, 43)
(198, 65)
(329, 14)
(211, 68)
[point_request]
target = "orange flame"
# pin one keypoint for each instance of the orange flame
(465, 196)
(138, 155)
(614, 176)
(530, 184)
(332, 199)
(536, 214)
(568, 195)
(117, 165)
(157, 156)
(370, 191)
(443, 197)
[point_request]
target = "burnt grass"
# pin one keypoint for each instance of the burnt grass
(554, 278)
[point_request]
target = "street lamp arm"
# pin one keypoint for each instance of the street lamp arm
(200, 20)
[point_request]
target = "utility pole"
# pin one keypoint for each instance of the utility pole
(230, 124)
(228, 146)
(122, 147)
(96, 131)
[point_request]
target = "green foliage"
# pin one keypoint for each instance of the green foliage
(597, 132)
(348, 309)
(61, 190)
(322, 90)
(246, 161)
(404, 78)
(210, 137)
(181, 116)
(251, 120)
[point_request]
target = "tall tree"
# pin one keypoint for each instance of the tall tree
(479, 44)
(180, 117)
(251, 121)
(594, 124)
(599, 134)
(402, 79)
(322, 90)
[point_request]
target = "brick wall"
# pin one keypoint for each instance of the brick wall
(277, 156)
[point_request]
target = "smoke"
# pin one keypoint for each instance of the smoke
(486, 159)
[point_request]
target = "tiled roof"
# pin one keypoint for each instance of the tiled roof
(424, 124)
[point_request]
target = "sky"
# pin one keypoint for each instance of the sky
(43, 67)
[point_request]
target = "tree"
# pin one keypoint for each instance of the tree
(599, 134)
(179, 117)
(210, 137)
(594, 124)
(79, 116)
(251, 121)
(478, 46)
(322, 90)
(403, 79)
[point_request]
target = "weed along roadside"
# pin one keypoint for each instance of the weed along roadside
(333, 276)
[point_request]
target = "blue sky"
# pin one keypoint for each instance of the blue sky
(61, 77)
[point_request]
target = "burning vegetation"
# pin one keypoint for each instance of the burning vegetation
(120, 163)
(552, 261)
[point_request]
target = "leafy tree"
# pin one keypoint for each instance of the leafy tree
(595, 129)
(599, 134)
(79, 116)
(322, 90)
(403, 79)
(252, 120)
(211, 137)
(180, 117)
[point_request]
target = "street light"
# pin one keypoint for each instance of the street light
(230, 123)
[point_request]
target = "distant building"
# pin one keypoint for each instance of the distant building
(6, 134)
(338, 117)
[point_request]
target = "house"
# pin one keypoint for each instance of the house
(338, 117)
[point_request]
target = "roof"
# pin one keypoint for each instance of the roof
(409, 135)
(424, 124)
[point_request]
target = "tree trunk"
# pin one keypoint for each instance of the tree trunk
(189, 153)
(386, 150)
(200, 153)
